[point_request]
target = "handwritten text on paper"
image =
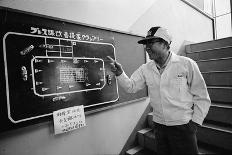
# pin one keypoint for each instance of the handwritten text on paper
(69, 119)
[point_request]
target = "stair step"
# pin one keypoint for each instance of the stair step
(222, 105)
(145, 130)
(205, 151)
(221, 94)
(215, 78)
(215, 135)
(225, 129)
(209, 149)
(141, 135)
(139, 150)
(211, 54)
(146, 152)
(134, 150)
(220, 113)
(146, 139)
(209, 45)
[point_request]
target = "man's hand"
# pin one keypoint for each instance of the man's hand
(116, 67)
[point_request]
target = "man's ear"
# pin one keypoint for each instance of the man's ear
(163, 45)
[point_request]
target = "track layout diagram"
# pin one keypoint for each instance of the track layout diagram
(45, 73)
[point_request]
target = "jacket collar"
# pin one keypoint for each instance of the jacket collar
(174, 58)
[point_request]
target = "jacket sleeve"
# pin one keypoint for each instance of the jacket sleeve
(133, 84)
(198, 89)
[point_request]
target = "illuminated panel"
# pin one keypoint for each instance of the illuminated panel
(71, 75)
(63, 75)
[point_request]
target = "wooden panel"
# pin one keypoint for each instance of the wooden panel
(209, 45)
(220, 95)
(217, 65)
(215, 137)
(194, 56)
(218, 78)
(211, 54)
(220, 114)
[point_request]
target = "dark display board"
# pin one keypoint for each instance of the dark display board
(49, 64)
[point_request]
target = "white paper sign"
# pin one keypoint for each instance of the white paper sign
(69, 119)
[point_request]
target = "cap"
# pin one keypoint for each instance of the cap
(157, 32)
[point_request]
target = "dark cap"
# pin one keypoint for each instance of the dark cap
(157, 32)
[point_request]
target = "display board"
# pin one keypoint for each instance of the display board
(49, 64)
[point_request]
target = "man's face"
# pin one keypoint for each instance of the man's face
(155, 49)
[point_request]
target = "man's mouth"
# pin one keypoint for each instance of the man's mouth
(148, 49)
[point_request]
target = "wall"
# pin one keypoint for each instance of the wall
(106, 131)
(223, 18)
(114, 14)
(183, 22)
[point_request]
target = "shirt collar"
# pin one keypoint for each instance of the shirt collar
(172, 58)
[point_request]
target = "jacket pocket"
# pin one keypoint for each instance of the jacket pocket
(178, 88)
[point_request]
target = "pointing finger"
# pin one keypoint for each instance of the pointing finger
(112, 60)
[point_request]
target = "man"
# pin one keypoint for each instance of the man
(177, 91)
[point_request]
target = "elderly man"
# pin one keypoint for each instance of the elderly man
(177, 91)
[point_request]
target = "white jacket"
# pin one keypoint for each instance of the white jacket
(177, 96)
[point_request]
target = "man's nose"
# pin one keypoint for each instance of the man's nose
(148, 48)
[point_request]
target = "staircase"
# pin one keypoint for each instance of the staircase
(214, 59)
(145, 139)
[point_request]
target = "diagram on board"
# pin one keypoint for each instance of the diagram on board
(45, 73)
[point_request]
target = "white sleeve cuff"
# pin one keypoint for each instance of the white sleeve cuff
(197, 120)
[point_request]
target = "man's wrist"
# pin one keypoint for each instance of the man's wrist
(118, 73)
